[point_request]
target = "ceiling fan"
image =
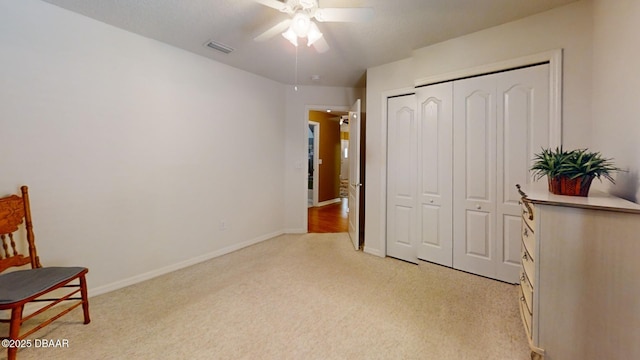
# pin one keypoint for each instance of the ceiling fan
(301, 24)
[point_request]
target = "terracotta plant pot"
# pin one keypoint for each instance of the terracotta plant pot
(563, 185)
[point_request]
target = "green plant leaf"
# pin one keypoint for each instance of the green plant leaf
(573, 164)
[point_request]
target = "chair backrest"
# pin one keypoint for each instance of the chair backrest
(14, 211)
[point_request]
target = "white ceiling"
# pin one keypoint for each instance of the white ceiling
(398, 27)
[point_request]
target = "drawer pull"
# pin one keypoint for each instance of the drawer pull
(526, 232)
(522, 278)
(526, 204)
(525, 257)
(529, 210)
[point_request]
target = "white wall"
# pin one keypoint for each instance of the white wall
(568, 27)
(616, 80)
(134, 150)
(296, 131)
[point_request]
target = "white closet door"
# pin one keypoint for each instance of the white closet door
(474, 175)
(402, 140)
(523, 128)
(500, 121)
(435, 171)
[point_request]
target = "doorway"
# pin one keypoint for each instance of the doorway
(326, 205)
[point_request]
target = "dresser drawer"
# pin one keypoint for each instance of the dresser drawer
(529, 240)
(527, 291)
(529, 213)
(529, 266)
(527, 318)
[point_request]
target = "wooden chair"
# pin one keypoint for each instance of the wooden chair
(23, 286)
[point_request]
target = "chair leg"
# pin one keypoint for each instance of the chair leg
(14, 330)
(85, 299)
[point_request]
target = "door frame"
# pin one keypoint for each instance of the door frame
(316, 157)
(553, 57)
(355, 185)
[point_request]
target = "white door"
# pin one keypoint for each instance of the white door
(500, 121)
(354, 174)
(523, 127)
(435, 171)
(402, 140)
(474, 177)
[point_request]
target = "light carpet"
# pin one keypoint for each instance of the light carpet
(305, 296)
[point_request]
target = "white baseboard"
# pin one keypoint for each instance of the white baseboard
(295, 231)
(329, 202)
(167, 269)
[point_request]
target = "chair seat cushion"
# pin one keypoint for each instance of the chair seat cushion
(24, 284)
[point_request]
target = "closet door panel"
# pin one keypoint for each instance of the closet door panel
(509, 249)
(523, 128)
(431, 231)
(403, 218)
(478, 155)
(474, 175)
(402, 145)
(478, 242)
(435, 127)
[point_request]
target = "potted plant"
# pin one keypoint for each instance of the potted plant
(571, 172)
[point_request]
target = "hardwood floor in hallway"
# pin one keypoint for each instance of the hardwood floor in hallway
(331, 218)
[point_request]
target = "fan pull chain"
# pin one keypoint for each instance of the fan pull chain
(295, 87)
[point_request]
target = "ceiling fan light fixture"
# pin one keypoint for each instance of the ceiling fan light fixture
(290, 35)
(314, 34)
(301, 24)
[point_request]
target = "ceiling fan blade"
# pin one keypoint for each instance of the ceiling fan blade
(344, 14)
(278, 28)
(321, 45)
(275, 4)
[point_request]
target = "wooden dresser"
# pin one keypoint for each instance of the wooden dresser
(580, 276)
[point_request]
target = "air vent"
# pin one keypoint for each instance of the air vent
(219, 46)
